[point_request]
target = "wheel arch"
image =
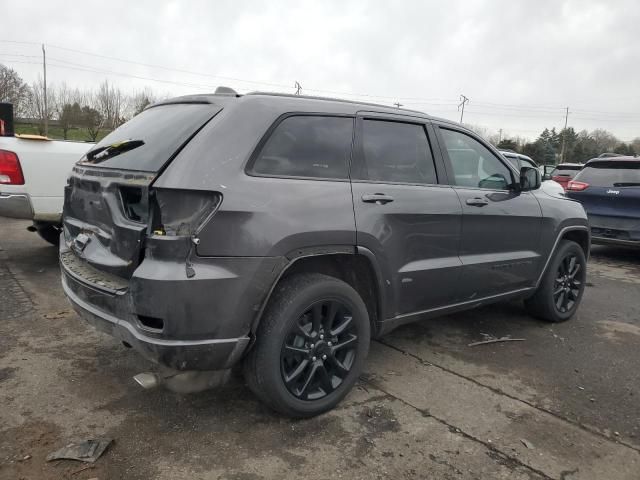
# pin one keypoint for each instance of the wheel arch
(577, 233)
(355, 267)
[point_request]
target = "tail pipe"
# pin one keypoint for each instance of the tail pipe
(191, 381)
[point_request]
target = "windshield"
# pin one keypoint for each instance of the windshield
(150, 139)
(611, 174)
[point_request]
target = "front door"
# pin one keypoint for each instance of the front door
(403, 216)
(500, 239)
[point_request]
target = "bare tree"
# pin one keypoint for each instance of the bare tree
(36, 108)
(68, 107)
(141, 100)
(604, 141)
(14, 90)
(111, 103)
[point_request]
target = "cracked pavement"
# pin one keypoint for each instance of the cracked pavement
(563, 404)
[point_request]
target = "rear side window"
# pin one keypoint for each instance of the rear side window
(396, 152)
(611, 174)
(150, 139)
(307, 146)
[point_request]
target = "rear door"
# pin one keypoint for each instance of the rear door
(409, 221)
(106, 209)
(500, 239)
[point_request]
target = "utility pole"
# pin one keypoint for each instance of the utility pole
(398, 104)
(298, 88)
(564, 134)
(500, 141)
(463, 100)
(46, 107)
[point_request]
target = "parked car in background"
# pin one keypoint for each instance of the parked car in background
(564, 172)
(33, 174)
(609, 190)
(212, 230)
(518, 160)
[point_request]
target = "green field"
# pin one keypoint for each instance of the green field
(55, 132)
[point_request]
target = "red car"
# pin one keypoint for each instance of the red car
(564, 173)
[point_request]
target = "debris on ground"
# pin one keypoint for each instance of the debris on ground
(90, 466)
(87, 451)
(55, 316)
(496, 340)
(527, 443)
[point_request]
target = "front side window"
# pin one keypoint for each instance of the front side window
(396, 152)
(307, 146)
(473, 164)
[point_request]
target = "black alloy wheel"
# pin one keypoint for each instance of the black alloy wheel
(311, 345)
(319, 350)
(562, 285)
(568, 284)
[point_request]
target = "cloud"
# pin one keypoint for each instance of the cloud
(519, 62)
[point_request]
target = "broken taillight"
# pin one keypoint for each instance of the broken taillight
(10, 169)
(182, 212)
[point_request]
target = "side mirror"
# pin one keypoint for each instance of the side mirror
(530, 179)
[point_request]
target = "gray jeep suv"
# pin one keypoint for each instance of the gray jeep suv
(283, 232)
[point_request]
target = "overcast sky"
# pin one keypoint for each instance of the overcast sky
(519, 62)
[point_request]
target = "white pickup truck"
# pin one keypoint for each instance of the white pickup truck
(33, 174)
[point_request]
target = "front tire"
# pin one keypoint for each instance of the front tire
(310, 347)
(560, 291)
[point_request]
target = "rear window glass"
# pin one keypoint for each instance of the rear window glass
(152, 137)
(611, 174)
(566, 171)
(307, 146)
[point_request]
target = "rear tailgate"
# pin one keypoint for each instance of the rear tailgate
(106, 208)
(612, 198)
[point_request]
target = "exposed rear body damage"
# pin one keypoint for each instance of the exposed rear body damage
(332, 220)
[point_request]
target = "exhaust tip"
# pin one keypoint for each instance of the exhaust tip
(147, 380)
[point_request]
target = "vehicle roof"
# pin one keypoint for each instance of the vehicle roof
(228, 98)
(285, 103)
(621, 159)
(569, 165)
(219, 98)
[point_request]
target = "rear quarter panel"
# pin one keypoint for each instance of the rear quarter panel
(259, 216)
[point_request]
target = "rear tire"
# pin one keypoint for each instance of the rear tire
(560, 291)
(49, 233)
(311, 345)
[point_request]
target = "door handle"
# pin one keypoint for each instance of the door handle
(377, 198)
(477, 202)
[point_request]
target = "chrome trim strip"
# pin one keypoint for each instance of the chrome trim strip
(460, 304)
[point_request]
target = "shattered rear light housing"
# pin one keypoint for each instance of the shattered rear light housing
(183, 212)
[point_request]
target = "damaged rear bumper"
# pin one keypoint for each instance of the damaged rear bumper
(207, 318)
(213, 354)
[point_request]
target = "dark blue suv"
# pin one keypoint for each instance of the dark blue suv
(609, 190)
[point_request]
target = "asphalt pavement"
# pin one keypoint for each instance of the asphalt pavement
(562, 404)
